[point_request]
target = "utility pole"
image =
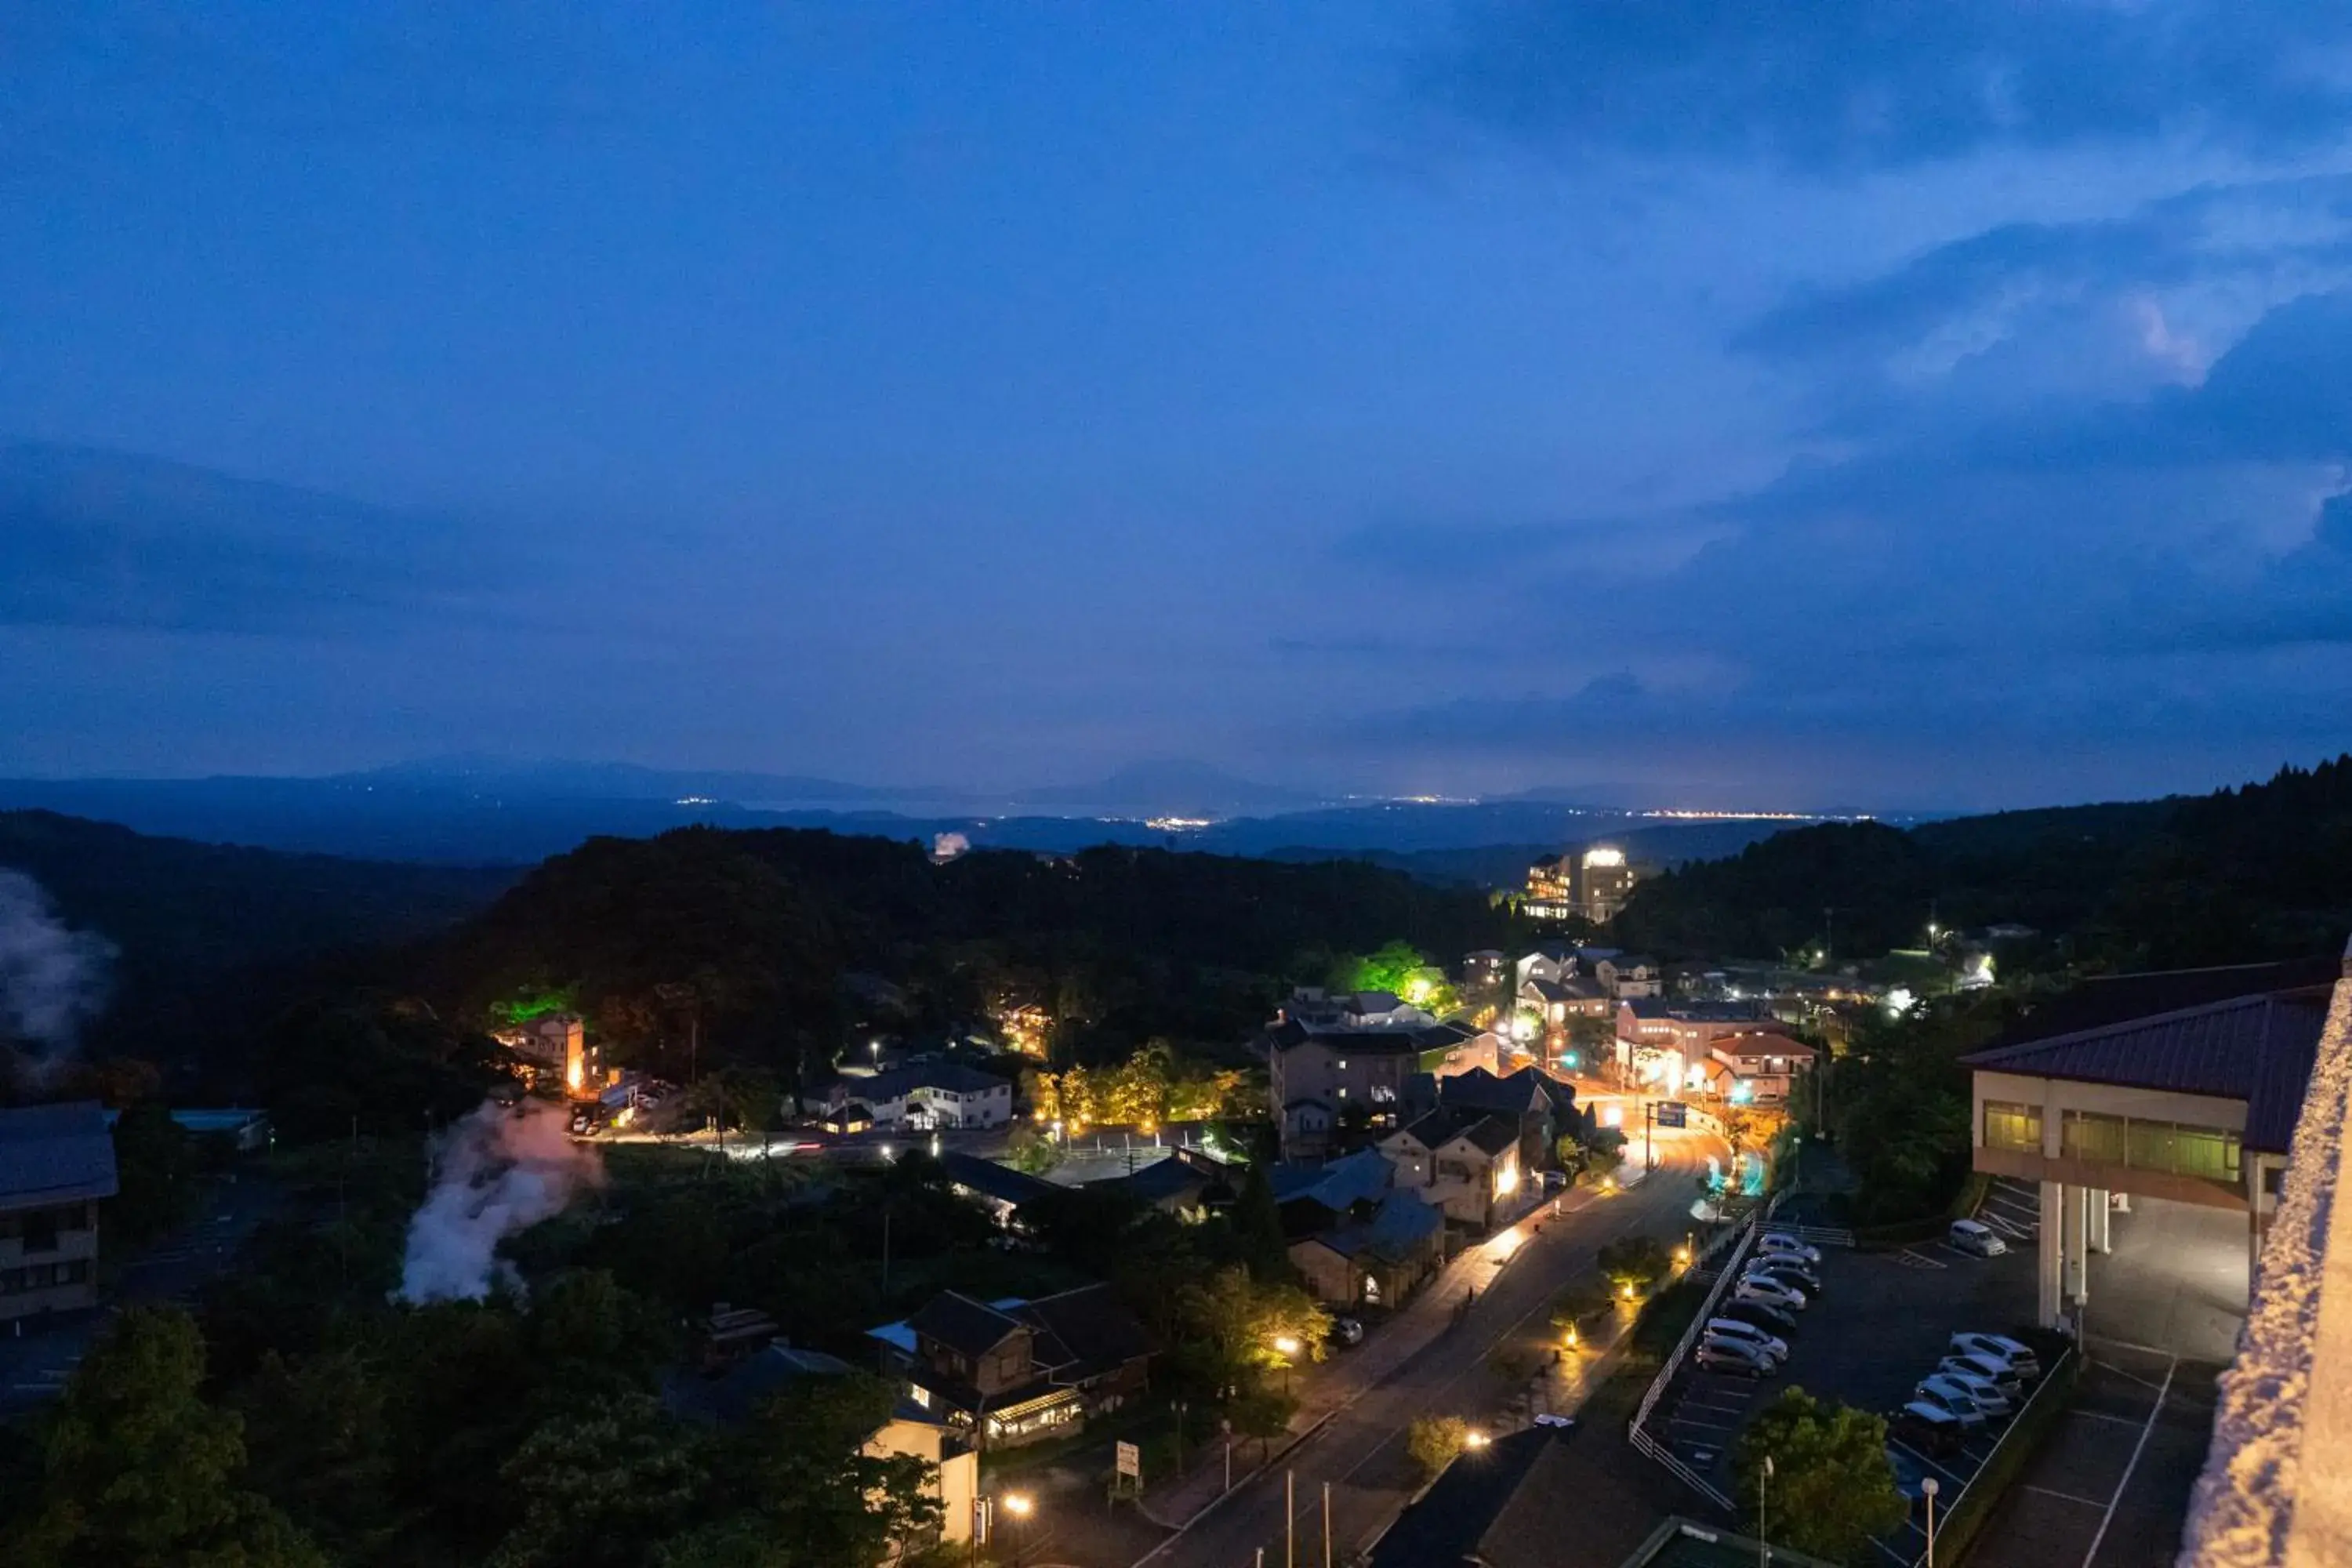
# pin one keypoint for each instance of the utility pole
(1289, 1518)
(1327, 1527)
(1763, 1551)
(1829, 937)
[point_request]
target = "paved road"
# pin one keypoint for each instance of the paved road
(1360, 1451)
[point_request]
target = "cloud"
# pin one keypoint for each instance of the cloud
(92, 539)
(2276, 237)
(1835, 86)
(2111, 576)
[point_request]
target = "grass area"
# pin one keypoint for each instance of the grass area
(1662, 1318)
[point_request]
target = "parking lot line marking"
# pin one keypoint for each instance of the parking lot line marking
(2138, 1448)
(2064, 1496)
(2103, 1416)
(1948, 1473)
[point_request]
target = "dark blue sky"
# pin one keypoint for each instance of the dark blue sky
(1845, 403)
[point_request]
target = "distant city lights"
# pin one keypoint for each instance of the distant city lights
(1179, 823)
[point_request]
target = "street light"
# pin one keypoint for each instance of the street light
(1927, 1488)
(1288, 1348)
(1763, 1551)
(1017, 1504)
(1473, 1439)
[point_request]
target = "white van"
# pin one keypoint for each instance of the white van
(1976, 1239)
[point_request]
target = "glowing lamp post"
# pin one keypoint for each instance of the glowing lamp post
(1019, 1505)
(1289, 1349)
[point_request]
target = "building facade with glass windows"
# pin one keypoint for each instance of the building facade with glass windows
(2197, 1106)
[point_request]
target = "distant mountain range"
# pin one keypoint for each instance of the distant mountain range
(496, 811)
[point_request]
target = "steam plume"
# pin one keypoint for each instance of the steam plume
(501, 1171)
(52, 979)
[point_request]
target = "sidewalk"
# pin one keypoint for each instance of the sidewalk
(1328, 1387)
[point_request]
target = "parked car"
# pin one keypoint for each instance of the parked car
(1794, 1275)
(1930, 1428)
(1951, 1399)
(1347, 1332)
(1776, 1241)
(1555, 1181)
(1998, 1373)
(1737, 1329)
(1769, 1292)
(1731, 1357)
(1975, 1238)
(1557, 1422)
(2000, 1347)
(1983, 1390)
(1771, 1318)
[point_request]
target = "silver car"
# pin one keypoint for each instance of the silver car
(1942, 1393)
(1983, 1390)
(1999, 1347)
(1735, 1329)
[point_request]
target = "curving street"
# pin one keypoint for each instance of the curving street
(1422, 1363)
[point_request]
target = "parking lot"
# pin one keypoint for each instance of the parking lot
(2110, 1488)
(1881, 1324)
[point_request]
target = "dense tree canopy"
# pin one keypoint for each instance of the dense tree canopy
(1830, 1489)
(2264, 871)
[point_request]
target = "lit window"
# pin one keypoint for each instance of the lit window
(2017, 1128)
(1343, 1064)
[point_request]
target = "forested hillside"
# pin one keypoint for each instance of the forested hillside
(743, 939)
(204, 933)
(2262, 871)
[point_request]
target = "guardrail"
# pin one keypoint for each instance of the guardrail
(1818, 1234)
(1737, 1240)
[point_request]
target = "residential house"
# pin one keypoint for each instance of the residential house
(1312, 1198)
(1539, 1105)
(1553, 961)
(1483, 968)
(1332, 1086)
(1462, 1160)
(1015, 1370)
(1759, 1066)
(1628, 975)
(57, 1163)
(951, 1465)
(926, 1095)
(1356, 1235)
(1375, 1259)
(1555, 1001)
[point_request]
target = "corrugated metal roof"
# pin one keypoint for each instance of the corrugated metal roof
(2255, 1048)
(54, 1154)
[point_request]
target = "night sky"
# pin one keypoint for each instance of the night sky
(1846, 403)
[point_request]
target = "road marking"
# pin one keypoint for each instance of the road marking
(1936, 1464)
(2062, 1497)
(2103, 1416)
(2109, 1517)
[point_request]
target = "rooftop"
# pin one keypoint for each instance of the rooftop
(1492, 1134)
(54, 1154)
(992, 1180)
(2255, 1048)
